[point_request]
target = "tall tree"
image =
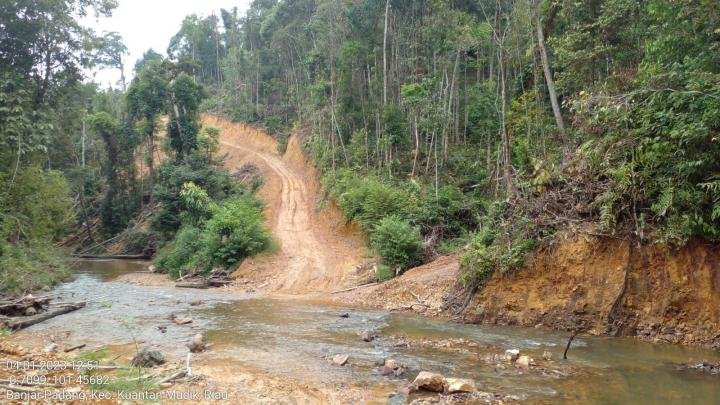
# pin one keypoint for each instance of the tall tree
(547, 71)
(111, 52)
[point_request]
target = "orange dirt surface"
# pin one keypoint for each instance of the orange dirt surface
(424, 290)
(611, 287)
(317, 250)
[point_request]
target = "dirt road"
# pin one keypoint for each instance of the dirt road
(317, 251)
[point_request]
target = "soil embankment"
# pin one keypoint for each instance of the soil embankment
(611, 287)
(602, 286)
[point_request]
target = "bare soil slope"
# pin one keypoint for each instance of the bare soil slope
(611, 287)
(317, 250)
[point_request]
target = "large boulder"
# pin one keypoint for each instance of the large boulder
(148, 358)
(430, 381)
(455, 385)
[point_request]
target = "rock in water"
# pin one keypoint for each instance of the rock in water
(392, 364)
(344, 315)
(340, 359)
(148, 358)
(182, 321)
(547, 356)
(368, 335)
(51, 348)
(430, 381)
(197, 343)
(455, 385)
(392, 367)
(512, 355)
(524, 362)
(705, 367)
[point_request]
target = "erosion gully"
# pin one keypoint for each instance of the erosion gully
(294, 338)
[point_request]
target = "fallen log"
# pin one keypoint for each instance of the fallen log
(193, 284)
(19, 306)
(80, 346)
(175, 376)
(53, 311)
(115, 257)
(219, 282)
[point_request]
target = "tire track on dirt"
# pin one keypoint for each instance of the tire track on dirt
(293, 228)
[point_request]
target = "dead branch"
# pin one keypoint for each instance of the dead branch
(354, 288)
(575, 333)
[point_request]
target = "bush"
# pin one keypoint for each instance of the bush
(176, 256)
(368, 200)
(39, 203)
(384, 273)
(487, 252)
(139, 241)
(26, 266)
(233, 232)
(197, 168)
(444, 211)
(397, 242)
(34, 211)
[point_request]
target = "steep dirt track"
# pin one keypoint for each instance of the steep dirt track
(317, 251)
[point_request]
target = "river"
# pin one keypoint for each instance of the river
(292, 338)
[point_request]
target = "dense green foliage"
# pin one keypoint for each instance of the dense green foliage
(398, 243)
(198, 168)
(46, 158)
(601, 113)
(214, 235)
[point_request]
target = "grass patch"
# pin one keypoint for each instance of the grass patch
(28, 266)
(130, 380)
(384, 273)
(92, 355)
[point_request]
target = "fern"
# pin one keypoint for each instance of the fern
(664, 202)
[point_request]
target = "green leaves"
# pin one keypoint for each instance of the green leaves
(398, 244)
(232, 232)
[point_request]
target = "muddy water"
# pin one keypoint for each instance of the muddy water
(294, 338)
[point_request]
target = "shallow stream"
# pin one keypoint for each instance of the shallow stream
(295, 337)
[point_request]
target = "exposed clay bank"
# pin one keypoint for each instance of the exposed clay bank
(611, 287)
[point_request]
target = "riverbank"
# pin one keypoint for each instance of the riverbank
(277, 348)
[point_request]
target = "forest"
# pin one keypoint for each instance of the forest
(479, 128)
(360, 201)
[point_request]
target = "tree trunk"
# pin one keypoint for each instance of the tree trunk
(548, 73)
(416, 152)
(507, 150)
(151, 165)
(122, 74)
(385, 68)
